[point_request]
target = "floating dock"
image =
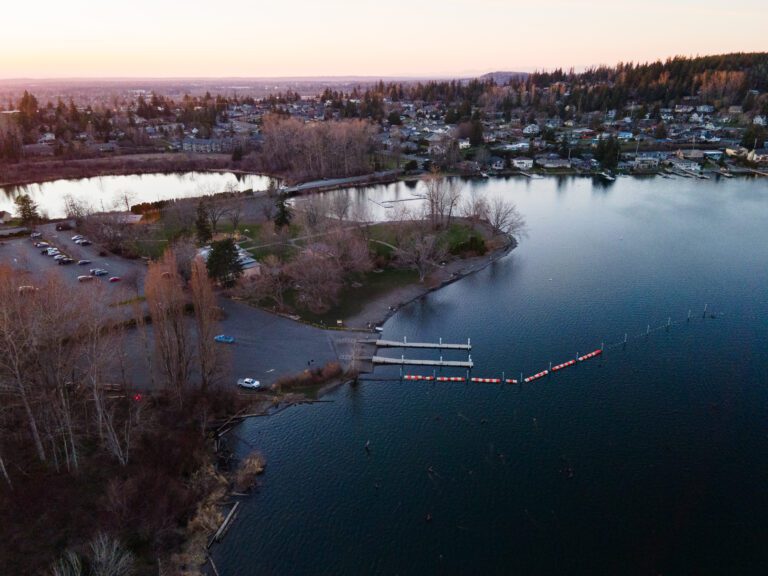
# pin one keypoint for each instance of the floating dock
(381, 360)
(431, 345)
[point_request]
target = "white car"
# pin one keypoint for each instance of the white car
(77, 237)
(249, 383)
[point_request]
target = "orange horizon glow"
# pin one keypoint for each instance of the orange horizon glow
(81, 39)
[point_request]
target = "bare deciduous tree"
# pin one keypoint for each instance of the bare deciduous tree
(317, 279)
(442, 199)
(271, 284)
(165, 297)
(421, 250)
(349, 249)
(340, 204)
(216, 210)
(318, 150)
(504, 217)
(204, 303)
(235, 213)
(475, 206)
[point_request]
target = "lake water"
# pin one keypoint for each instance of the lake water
(107, 192)
(652, 459)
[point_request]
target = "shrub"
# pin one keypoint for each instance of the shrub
(250, 467)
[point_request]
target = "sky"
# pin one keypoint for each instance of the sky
(255, 38)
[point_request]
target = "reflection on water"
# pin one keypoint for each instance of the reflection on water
(650, 460)
(105, 192)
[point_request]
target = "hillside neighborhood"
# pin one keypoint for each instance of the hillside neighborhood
(549, 121)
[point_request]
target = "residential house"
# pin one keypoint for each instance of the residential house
(522, 163)
(5, 217)
(552, 162)
(531, 130)
(644, 163)
(686, 165)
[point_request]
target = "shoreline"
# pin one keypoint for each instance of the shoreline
(42, 171)
(452, 272)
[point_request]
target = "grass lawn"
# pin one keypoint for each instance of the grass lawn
(352, 300)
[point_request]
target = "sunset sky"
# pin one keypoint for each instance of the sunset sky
(159, 38)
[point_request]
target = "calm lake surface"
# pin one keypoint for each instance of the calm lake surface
(106, 192)
(650, 460)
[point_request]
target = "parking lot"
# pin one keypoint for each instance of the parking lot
(22, 254)
(266, 346)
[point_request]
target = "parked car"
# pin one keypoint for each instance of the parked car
(115, 279)
(66, 260)
(83, 262)
(84, 278)
(23, 289)
(77, 237)
(224, 339)
(52, 252)
(249, 383)
(42, 245)
(36, 235)
(60, 256)
(84, 242)
(97, 272)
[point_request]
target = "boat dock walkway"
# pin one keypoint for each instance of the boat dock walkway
(431, 345)
(381, 360)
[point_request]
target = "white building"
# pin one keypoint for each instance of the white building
(531, 130)
(522, 163)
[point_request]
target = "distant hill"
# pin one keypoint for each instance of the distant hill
(502, 77)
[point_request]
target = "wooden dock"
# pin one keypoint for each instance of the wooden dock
(381, 360)
(431, 345)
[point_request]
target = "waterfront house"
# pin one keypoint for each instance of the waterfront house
(552, 162)
(645, 163)
(686, 165)
(522, 163)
